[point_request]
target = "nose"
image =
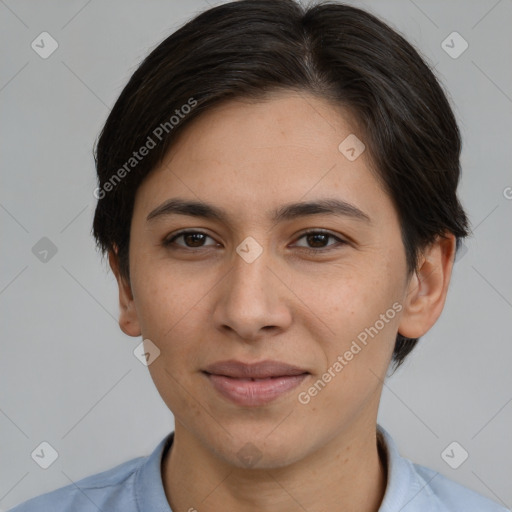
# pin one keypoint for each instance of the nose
(253, 300)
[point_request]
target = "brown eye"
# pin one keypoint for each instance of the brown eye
(319, 241)
(191, 239)
(194, 239)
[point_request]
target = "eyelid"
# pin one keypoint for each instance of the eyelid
(322, 231)
(169, 239)
(315, 231)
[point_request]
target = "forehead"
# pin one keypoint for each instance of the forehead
(252, 156)
(297, 120)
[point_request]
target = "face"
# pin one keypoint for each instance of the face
(314, 294)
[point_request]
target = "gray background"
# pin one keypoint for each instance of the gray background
(68, 375)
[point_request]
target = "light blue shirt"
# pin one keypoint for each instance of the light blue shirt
(136, 486)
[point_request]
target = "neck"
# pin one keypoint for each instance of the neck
(347, 474)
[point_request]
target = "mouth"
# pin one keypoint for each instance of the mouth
(255, 384)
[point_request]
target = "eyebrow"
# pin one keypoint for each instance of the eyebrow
(290, 211)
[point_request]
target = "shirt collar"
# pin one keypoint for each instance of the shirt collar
(398, 474)
(402, 486)
(149, 487)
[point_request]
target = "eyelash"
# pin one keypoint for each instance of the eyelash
(168, 242)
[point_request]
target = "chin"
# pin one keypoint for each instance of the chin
(259, 450)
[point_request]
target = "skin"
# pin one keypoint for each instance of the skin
(205, 303)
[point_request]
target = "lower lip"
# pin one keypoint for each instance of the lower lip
(251, 393)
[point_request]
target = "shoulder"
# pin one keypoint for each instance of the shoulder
(415, 488)
(111, 490)
(450, 495)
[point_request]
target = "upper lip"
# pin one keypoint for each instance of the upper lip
(260, 370)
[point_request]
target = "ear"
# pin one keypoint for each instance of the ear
(428, 287)
(128, 320)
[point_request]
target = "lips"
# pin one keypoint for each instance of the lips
(253, 384)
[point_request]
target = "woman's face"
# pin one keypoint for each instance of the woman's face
(252, 286)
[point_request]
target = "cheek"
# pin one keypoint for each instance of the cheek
(362, 310)
(351, 298)
(354, 360)
(168, 304)
(171, 314)
(163, 290)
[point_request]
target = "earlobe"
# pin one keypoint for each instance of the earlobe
(128, 320)
(428, 287)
